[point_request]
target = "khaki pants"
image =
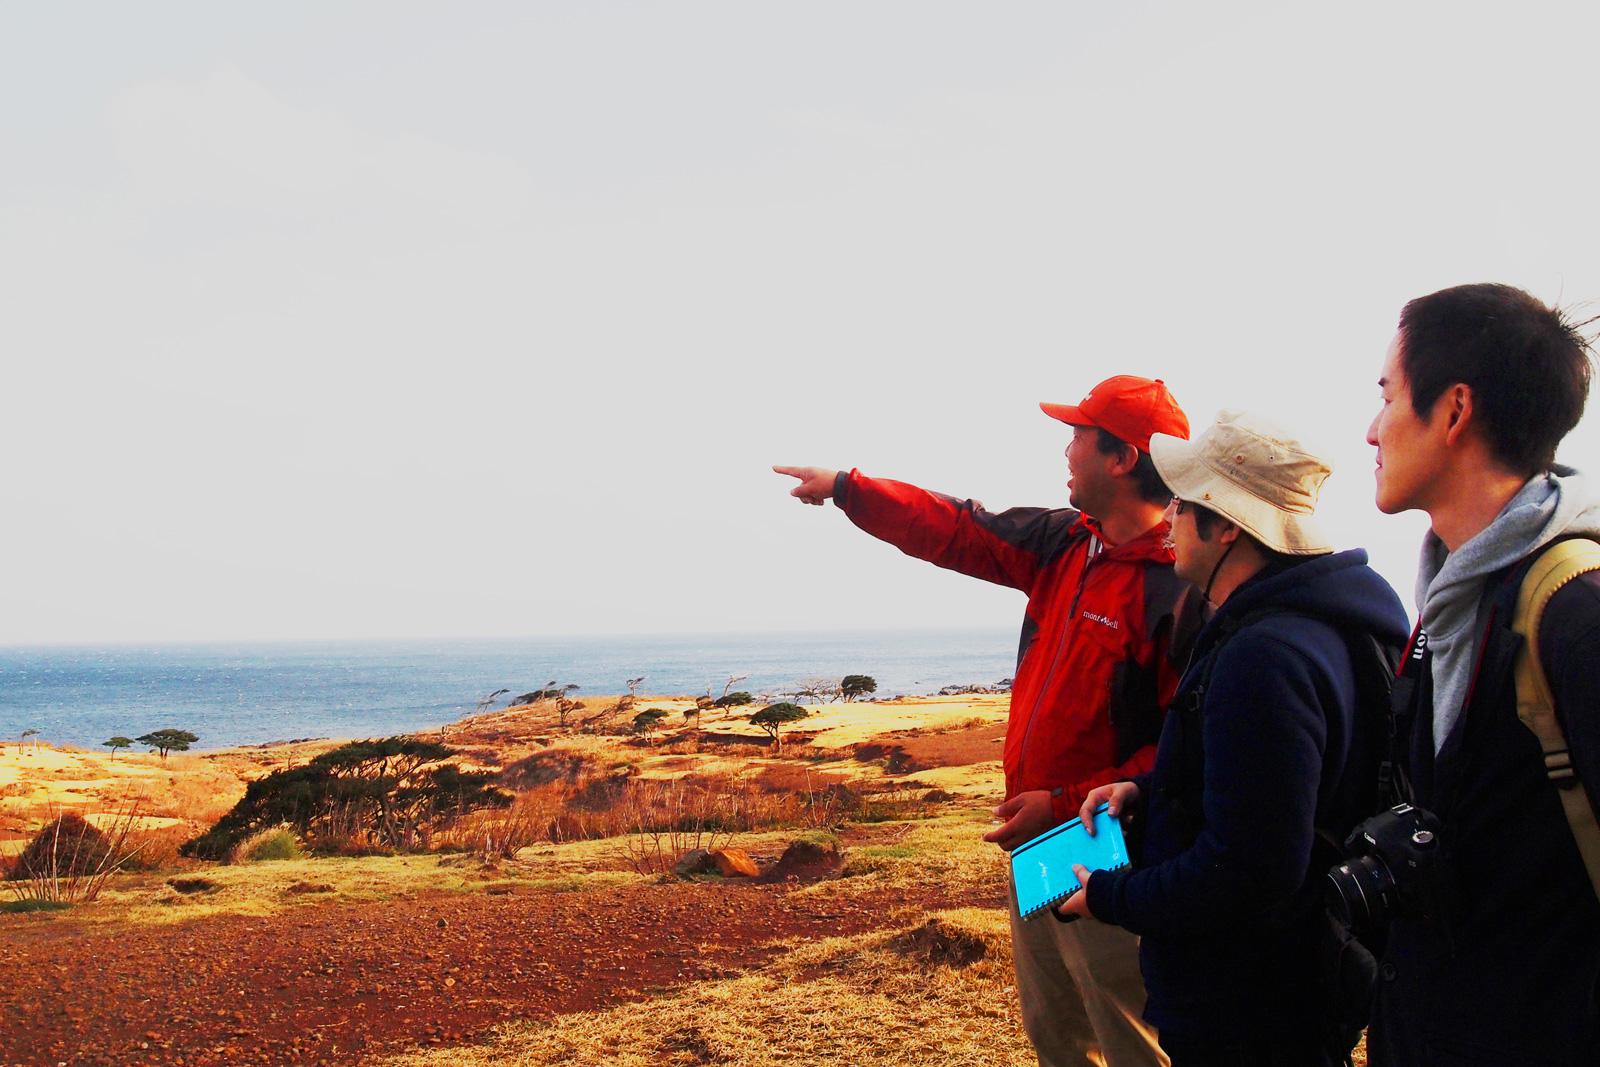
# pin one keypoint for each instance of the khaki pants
(1081, 992)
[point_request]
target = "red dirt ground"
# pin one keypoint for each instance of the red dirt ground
(911, 751)
(317, 984)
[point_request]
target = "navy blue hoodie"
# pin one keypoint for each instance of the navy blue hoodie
(1225, 897)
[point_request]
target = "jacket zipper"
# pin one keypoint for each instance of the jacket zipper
(1093, 555)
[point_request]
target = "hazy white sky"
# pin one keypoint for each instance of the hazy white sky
(389, 320)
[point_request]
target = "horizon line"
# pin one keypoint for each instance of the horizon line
(213, 642)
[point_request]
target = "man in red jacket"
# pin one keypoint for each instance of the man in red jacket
(1095, 669)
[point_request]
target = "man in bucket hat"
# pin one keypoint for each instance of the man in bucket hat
(1268, 747)
(1098, 659)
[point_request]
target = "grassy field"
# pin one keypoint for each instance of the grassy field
(546, 948)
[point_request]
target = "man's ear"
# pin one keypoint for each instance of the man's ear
(1458, 411)
(1126, 459)
(1229, 533)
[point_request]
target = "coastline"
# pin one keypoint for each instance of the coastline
(194, 788)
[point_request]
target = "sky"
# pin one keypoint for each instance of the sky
(390, 320)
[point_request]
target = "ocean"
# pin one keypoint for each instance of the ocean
(242, 694)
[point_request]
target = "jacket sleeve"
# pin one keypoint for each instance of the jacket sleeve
(1569, 646)
(1009, 548)
(1264, 734)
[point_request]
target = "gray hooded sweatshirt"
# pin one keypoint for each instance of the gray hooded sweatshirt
(1451, 584)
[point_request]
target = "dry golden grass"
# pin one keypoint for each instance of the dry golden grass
(947, 850)
(192, 790)
(261, 888)
(977, 780)
(920, 990)
(917, 993)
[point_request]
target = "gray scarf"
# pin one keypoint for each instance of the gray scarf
(1450, 584)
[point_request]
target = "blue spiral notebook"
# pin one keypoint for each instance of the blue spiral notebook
(1041, 869)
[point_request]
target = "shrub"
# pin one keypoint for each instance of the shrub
(67, 846)
(391, 793)
(273, 843)
(69, 860)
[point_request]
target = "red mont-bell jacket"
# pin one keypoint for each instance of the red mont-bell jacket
(1095, 667)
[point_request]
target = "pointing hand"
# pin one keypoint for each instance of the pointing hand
(816, 483)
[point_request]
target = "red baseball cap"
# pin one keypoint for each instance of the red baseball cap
(1129, 408)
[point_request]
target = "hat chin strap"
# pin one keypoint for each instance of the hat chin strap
(1211, 581)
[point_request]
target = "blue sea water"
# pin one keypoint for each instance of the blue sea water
(253, 693)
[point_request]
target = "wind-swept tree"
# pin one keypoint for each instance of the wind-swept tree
(115, 743)
(857, 685)
(394, 791)
(774, 717)
(565, 707)
(168, 740)
(817, 691)
(550, 691)
(647, 720)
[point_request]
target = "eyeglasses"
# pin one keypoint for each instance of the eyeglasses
(1181, 506)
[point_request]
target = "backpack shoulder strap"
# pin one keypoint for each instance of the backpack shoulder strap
(1375, 665)
(1554, 568)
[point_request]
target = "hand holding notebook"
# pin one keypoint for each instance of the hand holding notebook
(1042, 872)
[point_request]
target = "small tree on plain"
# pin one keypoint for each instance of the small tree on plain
(483, 705)
(24, 743)
(550, 691)
(115, 743)
(647, 720)
(857, 685)
(565, 707)
(723, 701)
(773, 717)
(816, 691)
(168, 740)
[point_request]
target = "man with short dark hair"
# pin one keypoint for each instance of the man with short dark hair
(1268, 746)
(1479, 386)
(1094, 672)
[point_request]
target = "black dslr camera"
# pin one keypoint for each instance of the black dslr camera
(1397, 867)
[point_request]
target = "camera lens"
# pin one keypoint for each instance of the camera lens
(1361, 892)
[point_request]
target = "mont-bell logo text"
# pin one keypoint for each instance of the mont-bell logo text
(1102, 620)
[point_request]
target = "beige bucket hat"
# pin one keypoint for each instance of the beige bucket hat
(1253, 474)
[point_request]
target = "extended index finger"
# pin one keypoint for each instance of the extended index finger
(794, 472)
